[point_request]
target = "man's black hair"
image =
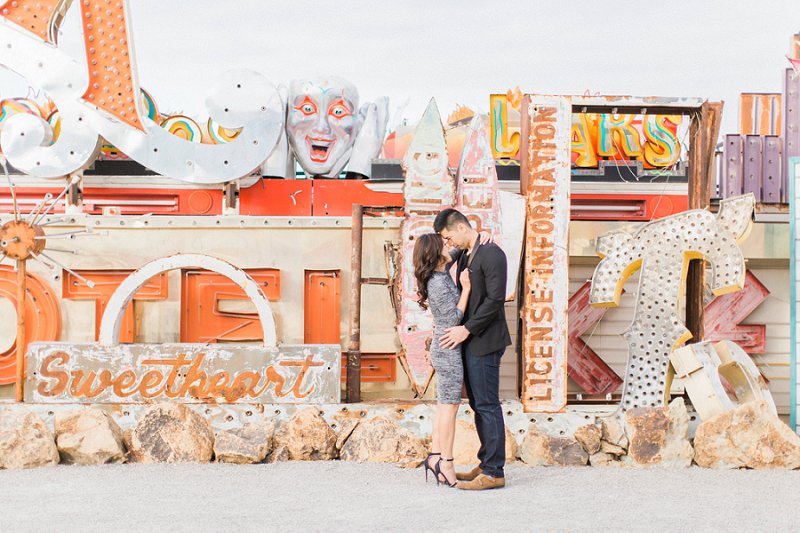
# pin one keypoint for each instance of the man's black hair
(448, 218)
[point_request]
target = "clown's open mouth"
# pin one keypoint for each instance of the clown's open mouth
(319, 149)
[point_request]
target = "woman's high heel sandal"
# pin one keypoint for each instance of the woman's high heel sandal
(427, 466)
(440, 473)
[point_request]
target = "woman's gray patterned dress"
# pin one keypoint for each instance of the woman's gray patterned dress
(443, 298)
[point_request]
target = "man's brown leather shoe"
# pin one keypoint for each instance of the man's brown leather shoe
(469, 476)
(483, 482)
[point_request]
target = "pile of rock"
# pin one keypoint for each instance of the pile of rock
(175, 433)
(749, 436)
(644, 437)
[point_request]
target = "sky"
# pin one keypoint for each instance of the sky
(458, 51)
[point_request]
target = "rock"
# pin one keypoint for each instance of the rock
(25, 440)
(604, 459)
(678, 451)
(346, 427)
(613, 431)
(89, 436)
(171, 433)
(380, 440)
(611, 449)
(539, 449)
(279, 454)
(647, 430)
(659, 436)
(467, 444)
(589, 437)
(307, 437)
(749, 436)
(247, 444)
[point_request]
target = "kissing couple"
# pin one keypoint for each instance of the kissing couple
(469, 337)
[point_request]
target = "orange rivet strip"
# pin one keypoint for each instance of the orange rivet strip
(112, 86)
(35, 16)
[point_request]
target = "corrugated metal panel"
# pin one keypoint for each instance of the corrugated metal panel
(508, 364)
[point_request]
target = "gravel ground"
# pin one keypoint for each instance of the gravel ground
(340, 496)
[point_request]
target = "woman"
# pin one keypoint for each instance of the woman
(437, 290)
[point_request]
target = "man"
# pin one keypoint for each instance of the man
(484, 337)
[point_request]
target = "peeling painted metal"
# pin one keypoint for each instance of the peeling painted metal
(662, 250)
(723, 316)
(476, 181)
(586, 368)
(479, 198)
(428, 189)
(192, 373)
(545, 181)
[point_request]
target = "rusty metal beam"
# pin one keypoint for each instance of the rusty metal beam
(353, 385)
(703, 132)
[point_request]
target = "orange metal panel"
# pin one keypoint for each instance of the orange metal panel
(626, 206)
(336, 197)
(42, 316)
(130, 201)
(106, 282)
(375, 367)
(746, 102)
(276, 197)
(321, 307)
(203, 319)
(28, 198)
(760, 113)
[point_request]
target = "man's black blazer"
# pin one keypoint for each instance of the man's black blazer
(485, 318)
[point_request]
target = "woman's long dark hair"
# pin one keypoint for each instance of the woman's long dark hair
(427, 255)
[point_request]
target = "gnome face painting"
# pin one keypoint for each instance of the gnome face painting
(322, 122)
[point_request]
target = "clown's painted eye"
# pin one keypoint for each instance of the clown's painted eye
(307, 107)
(339, 110)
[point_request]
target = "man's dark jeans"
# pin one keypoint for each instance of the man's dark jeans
(482, 378)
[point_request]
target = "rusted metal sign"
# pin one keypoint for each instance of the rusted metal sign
(193, 373)
(723, 316)
(545, 180)
(479, 198)
(586, 368)
(476, 184)
(428, 189)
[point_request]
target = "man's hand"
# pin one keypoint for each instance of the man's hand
(453, 337)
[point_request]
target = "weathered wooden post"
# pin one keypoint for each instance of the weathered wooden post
(703, 132)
